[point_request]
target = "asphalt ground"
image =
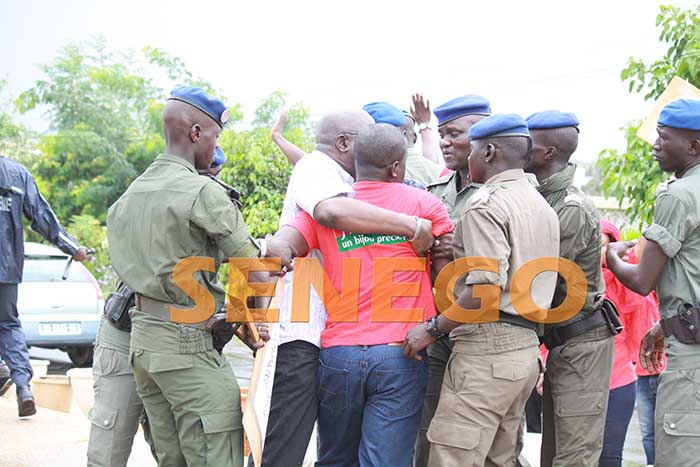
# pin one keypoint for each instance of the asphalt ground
(58, 439)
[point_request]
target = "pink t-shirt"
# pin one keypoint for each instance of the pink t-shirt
(371, 326)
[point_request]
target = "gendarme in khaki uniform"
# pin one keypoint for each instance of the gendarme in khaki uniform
(577, 379)
(494, 366)
(446, 188)
(188, 389)
(675, 230)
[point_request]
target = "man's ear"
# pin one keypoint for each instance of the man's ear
(694, 147)
(394, 168)
(549, 153)
(342, 143)
(195, 132)
(489, 153)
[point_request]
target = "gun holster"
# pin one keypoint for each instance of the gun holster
(117, 307)
(684, 326)
(612, 317)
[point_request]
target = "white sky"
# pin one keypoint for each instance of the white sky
(522, 56)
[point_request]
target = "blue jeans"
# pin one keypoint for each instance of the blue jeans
(620, 408)
(370, 403)
(646, 404)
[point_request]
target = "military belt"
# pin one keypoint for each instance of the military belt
(555, 337)
(684, 326)
(161, 310)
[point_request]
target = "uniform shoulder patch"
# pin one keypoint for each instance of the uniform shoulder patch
(663, 186)
(482, 196)
(573, 199)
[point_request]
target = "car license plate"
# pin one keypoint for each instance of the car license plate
(59, 329)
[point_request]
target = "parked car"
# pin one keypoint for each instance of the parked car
(56, 313)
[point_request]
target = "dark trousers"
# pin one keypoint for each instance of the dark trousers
(13, 346)
(294, 405)
(533, 413)
(646, 405)
(620, 408)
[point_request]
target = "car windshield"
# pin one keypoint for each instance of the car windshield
(51, 270)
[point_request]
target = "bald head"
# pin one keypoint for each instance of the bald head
(336, 133)
(564, 140)
(380, 153)
(491, 156)
(551, 150)
(340, 122)
(190, 133)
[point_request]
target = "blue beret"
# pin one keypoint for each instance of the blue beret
(461, 106)
(219, 157)
(683, 114)
(498, 126)
(383, 112)
(549, 119)
(198, 97)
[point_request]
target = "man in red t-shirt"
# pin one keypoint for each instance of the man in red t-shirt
(371, 395)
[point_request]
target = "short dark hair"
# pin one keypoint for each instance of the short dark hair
(378, 146)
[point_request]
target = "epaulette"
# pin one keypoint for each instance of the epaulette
(573, 199)
(663, 186)
(482, 196)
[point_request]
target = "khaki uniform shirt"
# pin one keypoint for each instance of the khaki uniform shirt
(420, 169)
(447, 189)
(168, 214)
(509, 221)
(676, 229)
(580, 236)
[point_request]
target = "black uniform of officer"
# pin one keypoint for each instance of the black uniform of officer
(20, 196)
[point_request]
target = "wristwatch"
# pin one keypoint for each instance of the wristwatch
(431, 326)
(423, 126)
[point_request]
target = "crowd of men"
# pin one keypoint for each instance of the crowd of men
(428, 372)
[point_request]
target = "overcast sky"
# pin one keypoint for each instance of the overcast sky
(522, 56)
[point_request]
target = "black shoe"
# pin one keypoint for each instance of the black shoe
(25, 401)
(5, 383)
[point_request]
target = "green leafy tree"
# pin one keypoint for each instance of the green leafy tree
(256, 167)
(633, 173)
(89, 231)
(100, 106)
(16, 140)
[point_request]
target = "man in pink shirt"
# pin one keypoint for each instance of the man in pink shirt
(371, 395)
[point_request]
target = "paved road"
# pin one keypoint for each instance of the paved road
(242, 362)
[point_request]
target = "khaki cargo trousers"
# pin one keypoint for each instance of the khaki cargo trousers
(193, 406)
(481, 405)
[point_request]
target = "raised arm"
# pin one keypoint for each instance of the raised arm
(421, 113)
(293, 152)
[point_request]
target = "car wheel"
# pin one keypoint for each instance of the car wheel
(81, 356)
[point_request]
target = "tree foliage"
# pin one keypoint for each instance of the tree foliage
(633, 174)
(257, 168)
(16, 140)
(105, 109)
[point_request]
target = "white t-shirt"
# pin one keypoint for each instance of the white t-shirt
(315, 177)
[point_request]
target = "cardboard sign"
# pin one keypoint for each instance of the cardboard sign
(677, 89)
(257, 409)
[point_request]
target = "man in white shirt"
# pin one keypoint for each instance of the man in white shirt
(321, 185)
